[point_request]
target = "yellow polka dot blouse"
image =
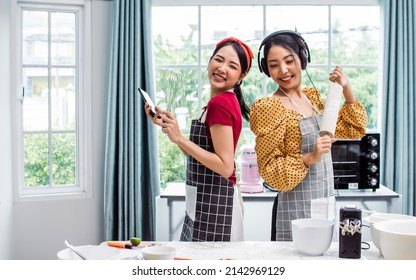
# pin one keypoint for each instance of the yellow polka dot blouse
(278, 137)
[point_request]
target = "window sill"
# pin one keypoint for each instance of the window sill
(52, 196)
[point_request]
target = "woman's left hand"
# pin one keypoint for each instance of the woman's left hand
(338, 76)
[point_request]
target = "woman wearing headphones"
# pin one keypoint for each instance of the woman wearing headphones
(214, 210)
(292, 157)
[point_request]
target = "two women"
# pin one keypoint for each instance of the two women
(292, 157)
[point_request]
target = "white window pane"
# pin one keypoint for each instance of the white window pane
(63, 99)
(241, 22)
(35, 37)
(219, 22)
(175, 32)
(64, 159)
(318, 78)
(314, 29)
(177, 88)
(36, 157)
(364, 81)
(356, 41)
(35, 104)
(63, 38)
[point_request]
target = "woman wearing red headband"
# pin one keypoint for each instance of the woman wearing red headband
(214, 210)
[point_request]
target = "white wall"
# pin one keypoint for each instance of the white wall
(5, 129)
(37, 230)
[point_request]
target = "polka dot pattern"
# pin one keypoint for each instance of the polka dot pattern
(278, 137)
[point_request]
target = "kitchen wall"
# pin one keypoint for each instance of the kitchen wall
(5, 141)
(37, 230)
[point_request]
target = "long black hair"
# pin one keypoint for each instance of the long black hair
(245, 67)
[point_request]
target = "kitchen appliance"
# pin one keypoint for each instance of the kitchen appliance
(356, 162)
(350, 232)
(250, 179)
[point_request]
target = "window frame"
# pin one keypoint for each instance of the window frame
(263, 2)
(83, 186)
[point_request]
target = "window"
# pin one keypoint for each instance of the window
(52, 99)
(183, 45)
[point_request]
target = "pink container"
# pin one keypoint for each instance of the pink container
(250, 179)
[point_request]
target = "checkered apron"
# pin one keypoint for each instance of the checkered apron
(314, 196)
(212, 207)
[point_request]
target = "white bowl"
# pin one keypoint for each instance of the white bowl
(91, 252)
(158, 253)
(379, 217)
(397, 239)
(312, 236)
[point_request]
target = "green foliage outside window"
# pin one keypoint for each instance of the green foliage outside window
(36, 160)
(37, 173)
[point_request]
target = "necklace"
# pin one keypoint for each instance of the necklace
(296, 106)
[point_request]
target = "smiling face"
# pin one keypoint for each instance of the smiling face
(224, 70)
(284, 67)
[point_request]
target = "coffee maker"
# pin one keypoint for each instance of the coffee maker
(250, 179)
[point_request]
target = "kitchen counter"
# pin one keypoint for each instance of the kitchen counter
(177, 190)
(170, 209)
(254, 250)
(244, 250)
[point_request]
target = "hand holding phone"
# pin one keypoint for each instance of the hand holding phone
(146, 98)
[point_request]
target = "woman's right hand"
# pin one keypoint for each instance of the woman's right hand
(322, 146)
(169, 125)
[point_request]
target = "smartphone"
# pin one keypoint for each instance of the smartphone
(146, 98)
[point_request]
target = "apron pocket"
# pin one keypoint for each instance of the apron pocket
(190, 201)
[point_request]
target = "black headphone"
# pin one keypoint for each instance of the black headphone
(304, 54)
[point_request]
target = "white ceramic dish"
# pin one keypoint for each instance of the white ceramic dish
(397, 239)
(380, 217)
(91, 252)
(312, 236)
(159, 253)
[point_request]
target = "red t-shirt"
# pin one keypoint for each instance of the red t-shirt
(224, 109)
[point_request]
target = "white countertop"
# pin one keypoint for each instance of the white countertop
(254, 250)
(178, 190)
(244, 250)
(173, 190)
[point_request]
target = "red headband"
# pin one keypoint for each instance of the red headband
(246, 48)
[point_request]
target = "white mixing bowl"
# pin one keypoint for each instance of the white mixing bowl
(397, 239)
(312, 236)
(159, 253)
(380, 217)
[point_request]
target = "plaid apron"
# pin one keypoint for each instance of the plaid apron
(213, 209)
(314, 196)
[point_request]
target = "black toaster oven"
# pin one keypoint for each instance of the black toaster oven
(356, 162)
